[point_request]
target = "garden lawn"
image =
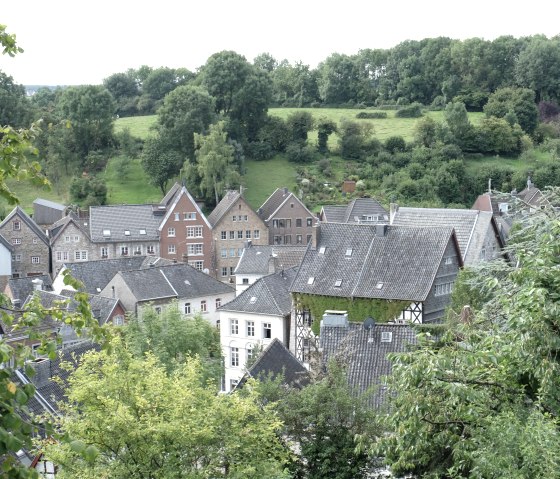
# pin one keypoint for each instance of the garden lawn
(139, 126)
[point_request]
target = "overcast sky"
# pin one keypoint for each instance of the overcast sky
(69, 42)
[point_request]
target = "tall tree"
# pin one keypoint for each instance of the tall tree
(160, 162)
(14, 106)
(517, 101)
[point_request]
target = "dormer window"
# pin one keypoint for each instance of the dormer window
(106, 233)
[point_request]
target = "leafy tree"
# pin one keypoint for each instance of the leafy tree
(483, 400)
(276, 133)
(338, 80)
(162, 81)
(89, 110)
(457, 120)
(160, 162)
(125, 91)
(151, 424)
(425, 131)
(298, 152)
(353, 139)
(519, 101)
(395, 143)
(215, 163)
(14, 107)
(265, 61)
(300, 123)
(496, 135)
(173, 338)
(88, 191)
(325, 128)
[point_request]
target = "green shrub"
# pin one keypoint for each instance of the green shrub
(372, 115)
(413, 110)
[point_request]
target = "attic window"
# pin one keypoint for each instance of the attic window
(142, 232)
(338, 283)
(127, 232)
(379, 285)
(386, 336)
(106, 232)
(322, 250)
(253, 300)
(349, 252)
(311, 280)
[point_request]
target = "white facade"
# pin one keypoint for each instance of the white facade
(5, 261)
(243, 281)
(207, 306)
(239, 334)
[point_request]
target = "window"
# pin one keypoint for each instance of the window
(288, 239)
(248, 234)
(275, 223)
(104, 252)
(239, 251)
(234, 352)
(194, 249)
(218, 324)
(240, 234)
(235, 218)
(171, 249)
(232, 235)
(198, 265)
(256, 234)
(194, 231)
(157, 309)
(218, 302)
(171, 232)
(124, 250)
(224, 271)
(386, 336)
(443, 289)
(267, 330)
(150, 249)
(138, 249)
(58, 256)
(16, 240)
(142, 232)
(16, 225)
(250, 328)
(245, 281)
(349, 252)
(127, 232)
(106, 233)
(223, 252)
(234, 326)
(187, 308)
(177, 217)
(118, 320)
(232, 252)
(224, 235)
(250, 351)
(203, 307)
(277, 239)
(191, 215)
(67, 239)
(35, 259)
(233, 384)
(245, 218)
(35, 240)
(322, 249)
(299, 239)
(338, 283)
(449, 260)
(311, 280)
(291, 205)
(308, 239)
(80, 255)
(232, 270)
(17, 257)
(309, 221)
(298, 222)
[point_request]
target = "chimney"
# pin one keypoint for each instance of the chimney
(381, 230)
(489, 186)
(241, 190)
(316, 235)
(37, 284)
(285, 190)
(272, 264)
(42, 369)
(393, 209)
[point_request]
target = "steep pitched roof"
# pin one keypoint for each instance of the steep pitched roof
(373, 261)
(18, 211)
(359, 210)
(277, 360)
(59, 226)
(96, 274)
(269, 295)
(470, 225)
(138, 220)
(172, 203)
(173, 281)
(170, 195)
(223, 206)
(277, 199)
(255, 258)
(364, 354)
(4, 242)
(101, 306)
(21, 288)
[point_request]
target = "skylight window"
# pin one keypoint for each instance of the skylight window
(338, 283)
(379, 285)
(106, 232)
(311, 280)
(322, 250)
(142, 232)
(127, 232)
(253, 300)
(386, 336)
(349, 252)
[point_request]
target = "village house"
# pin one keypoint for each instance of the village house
(46, 212)
(31, 248)
(233, 223)
(287, 218)
(359, 210)
(252, 320)
(70, 242)
(18, 289)
(391, 273)
(6, 252)
(160, 286)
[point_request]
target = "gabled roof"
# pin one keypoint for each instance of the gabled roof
(119, 219)
(363, 353)
(277, 360)
(385, 262)
(101, 307)
(21, 288)
(275, 201)
(173, 281)
(223, 206)
(269, 295)
(470, 226)
(4, 242)
(255, 258)
(357, 211)
(59, 226)
(170, 195)
(96, 274)
(172, 203)
(18, 211)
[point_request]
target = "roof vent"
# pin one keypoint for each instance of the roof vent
(142, 232)
(187, 282)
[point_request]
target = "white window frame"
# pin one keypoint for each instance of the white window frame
(250, 328)
(234, 327)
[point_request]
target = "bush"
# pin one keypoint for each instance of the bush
(260, 150)
(410, 111)
(371, 114)
(88, 191)
(394, 144)
(298, 152)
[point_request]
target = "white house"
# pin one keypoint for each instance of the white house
(6, 251)
(252, 320)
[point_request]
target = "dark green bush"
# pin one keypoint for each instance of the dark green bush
(414, 110)
(371, 114)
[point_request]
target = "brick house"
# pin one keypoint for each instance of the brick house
(233, 223)
(287, 218)
(31, 254)
(185, 233)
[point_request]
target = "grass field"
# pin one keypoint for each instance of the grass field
(139, 126)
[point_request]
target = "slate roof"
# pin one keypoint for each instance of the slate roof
(49, 204)
(173, 281)
(364, 355)
(278, 198)
(21, 288)
(58, 226)
(101, 307)
(120, 218)
(28, 221)
(401, 265)
(6, 244)
(223, 206)
(277, 360)
(170, 195)
(354, 212)
(96, 274)
(255, 258)
(470, 226)
(171, 203)
(269, 295)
